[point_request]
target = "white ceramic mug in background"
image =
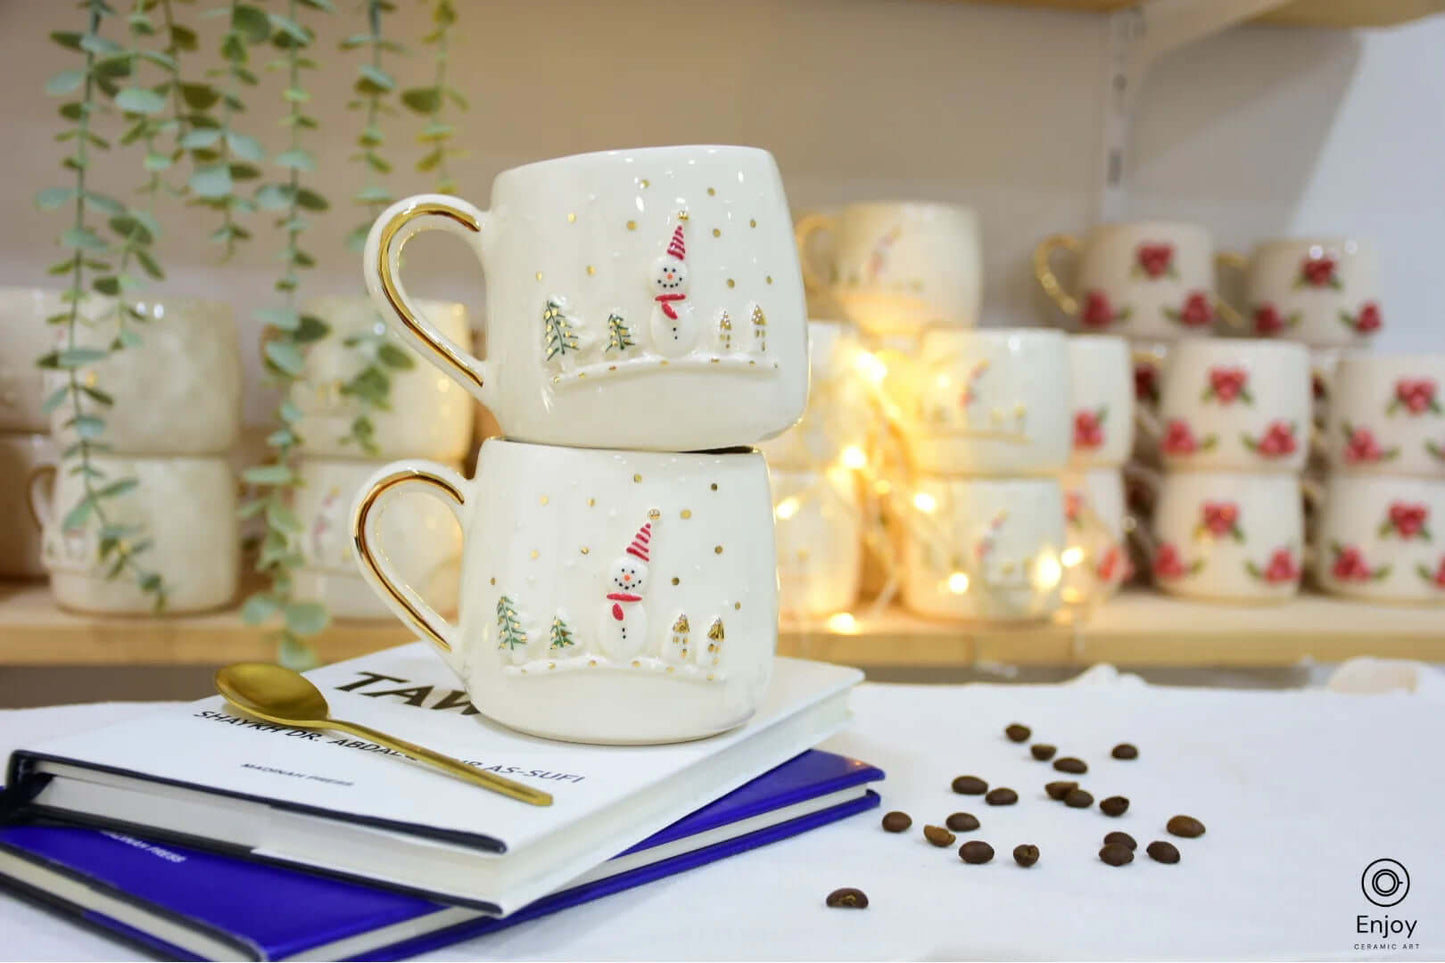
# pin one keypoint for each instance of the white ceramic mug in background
(427, 416)
(984, 548)
(184, 506)
(178, 392)
(421, 535)
(645, 299)
(1322, 291)
(607, 596)
(1228, 536)
(21, 456)
(1095, 558)
(897, 266)
(24, 337)
(1233, 403)
(819, 525)
(1382, 538)
(1143, 280)
(840, 409)
(1101, 383)
(1387, 415)
(992, 401)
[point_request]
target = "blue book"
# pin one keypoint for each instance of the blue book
(190, 904)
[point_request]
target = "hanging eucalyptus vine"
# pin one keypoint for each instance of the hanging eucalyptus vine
(430, 101)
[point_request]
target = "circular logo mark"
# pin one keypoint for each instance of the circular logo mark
(1385, 882)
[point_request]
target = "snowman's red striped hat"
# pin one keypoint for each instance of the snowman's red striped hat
(640, 542)
(677, 248)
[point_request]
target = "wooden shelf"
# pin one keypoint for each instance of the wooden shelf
(1337, 14)
(1135, 629)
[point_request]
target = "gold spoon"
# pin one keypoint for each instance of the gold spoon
(286, 698)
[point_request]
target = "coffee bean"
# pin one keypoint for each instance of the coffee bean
(938, 836)
(1115, 806)
(1026, 855)
(1058, 790)
(1042, 752)
(962, 822)
(1116, 855)
(1120, 839)
(975, 852)
(848, 898)
(970, 786)
(1018, 733)
(1186, 826)
(1125, 751)
(1162, 852)
(1071, 765)
(1079, 799)
(1001, 797)
(896, 822)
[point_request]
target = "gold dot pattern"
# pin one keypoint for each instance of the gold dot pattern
(544, 499)
(732, 283)
(637, 478)
(770, 279)
(646, 183)
(717, 549)
(737, 605)
(632, 225)
(539, 275)
(687, 513)
(585, 549)
(714, 486)
(711, 192)
(571, 218)
(535, 553)
(676, 580)
(753, 222)
(591, 502)
(494, 581)
(591, 269)
(716, 232)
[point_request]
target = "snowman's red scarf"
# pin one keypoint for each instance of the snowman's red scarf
(667, 309)
(615, 597)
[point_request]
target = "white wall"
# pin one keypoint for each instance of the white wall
(1260, 131)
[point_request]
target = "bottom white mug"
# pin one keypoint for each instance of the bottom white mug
(1382, 537)
(21, 455)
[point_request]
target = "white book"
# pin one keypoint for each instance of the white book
(206, 775)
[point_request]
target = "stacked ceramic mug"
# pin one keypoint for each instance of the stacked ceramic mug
(25, 445)
(817, 510)
(646, 325)
(1378, 534)
(363, 382)
(1233, 429)
(161, 475)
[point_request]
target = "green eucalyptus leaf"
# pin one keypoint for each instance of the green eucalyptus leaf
(88, 427)
(456, 97)
(286, 357)
(69, 39)
(290, 28)
(373, 194)
(435, 131)
(139, 100)
(201, 137)
(273, 197)
(309, 200)
(160, 58)
(258, 608)
(351, 42)
(423, 100)
(74, 110)
(268, 475)
(430, 162)
(98, 45)
(290, 413)
(282, 518)
(199, 96)
(250, 22)
(319, 5)
(377, 77)
(54, 197)
(119, 487)
(244, 146)
(394, 357)
(64, 82)
(286, 319)
(244, 172)
(82, 237)
(306, 618)
(149, 265)
(297, 158)
(183, 38)
(311, 329)
(213, 180)
(77, 516)
(55, 399)
(157, 162)
(71, 358)
(99, 396)
(104, 203)
(106, 285)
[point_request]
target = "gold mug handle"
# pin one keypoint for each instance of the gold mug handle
(1044, 272)
(382, 266)
(40, 500)
(803, 231)
(416, 475)
(1232, 317)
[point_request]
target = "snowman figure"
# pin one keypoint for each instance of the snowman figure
(674, 329)
(624, 622)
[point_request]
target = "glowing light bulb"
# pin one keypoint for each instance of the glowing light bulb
(1047, 572)
(1072, 556)
(958, 583)
(854, 457)
(842, 622)
(786, 509)
(883, 486)
(870, 366)
(925, 503)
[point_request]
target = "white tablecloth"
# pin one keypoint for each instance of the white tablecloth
(1299, 790)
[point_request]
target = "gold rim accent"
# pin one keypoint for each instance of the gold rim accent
(1231, 315)
(363, 546)
(448, 355)
(1045, 274)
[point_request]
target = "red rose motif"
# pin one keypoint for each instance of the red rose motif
(1281, 568)
(1350, 566)
(1155, 259)
(1368, 320)
(1167, 563)
(1408, 520)
(1178, 439)
(1088, 430)
(1073, 505)
(1146, 382)
(1227, 384)
(1197, 310)
(1416, 394)
(1278, 440)
(1098, 312)
(1219, 518)
(1440, 575)
(1318, 272)
(1109, 564)
(1267, 320)
(1361, 448)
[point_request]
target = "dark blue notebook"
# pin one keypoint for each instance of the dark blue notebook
(190, 904)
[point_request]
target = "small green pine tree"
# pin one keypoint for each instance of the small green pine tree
(510, 634)
(558, 337)
(619, 335)
(561, 636)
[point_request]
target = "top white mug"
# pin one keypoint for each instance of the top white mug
(642, 299)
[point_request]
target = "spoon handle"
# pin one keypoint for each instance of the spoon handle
(454, 767)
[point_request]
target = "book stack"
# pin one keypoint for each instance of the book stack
(202, 834)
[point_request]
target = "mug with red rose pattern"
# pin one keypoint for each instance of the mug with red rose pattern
(1241, 404)
(1322, 291)
(1100, 380)
(1142, 280)
(1387, 415)
(1096, 521)
(1382, 538)
(1228, 536)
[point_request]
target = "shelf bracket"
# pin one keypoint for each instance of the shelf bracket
(1137, 37)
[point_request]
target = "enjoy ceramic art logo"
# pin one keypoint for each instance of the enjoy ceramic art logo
(1385, 883)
